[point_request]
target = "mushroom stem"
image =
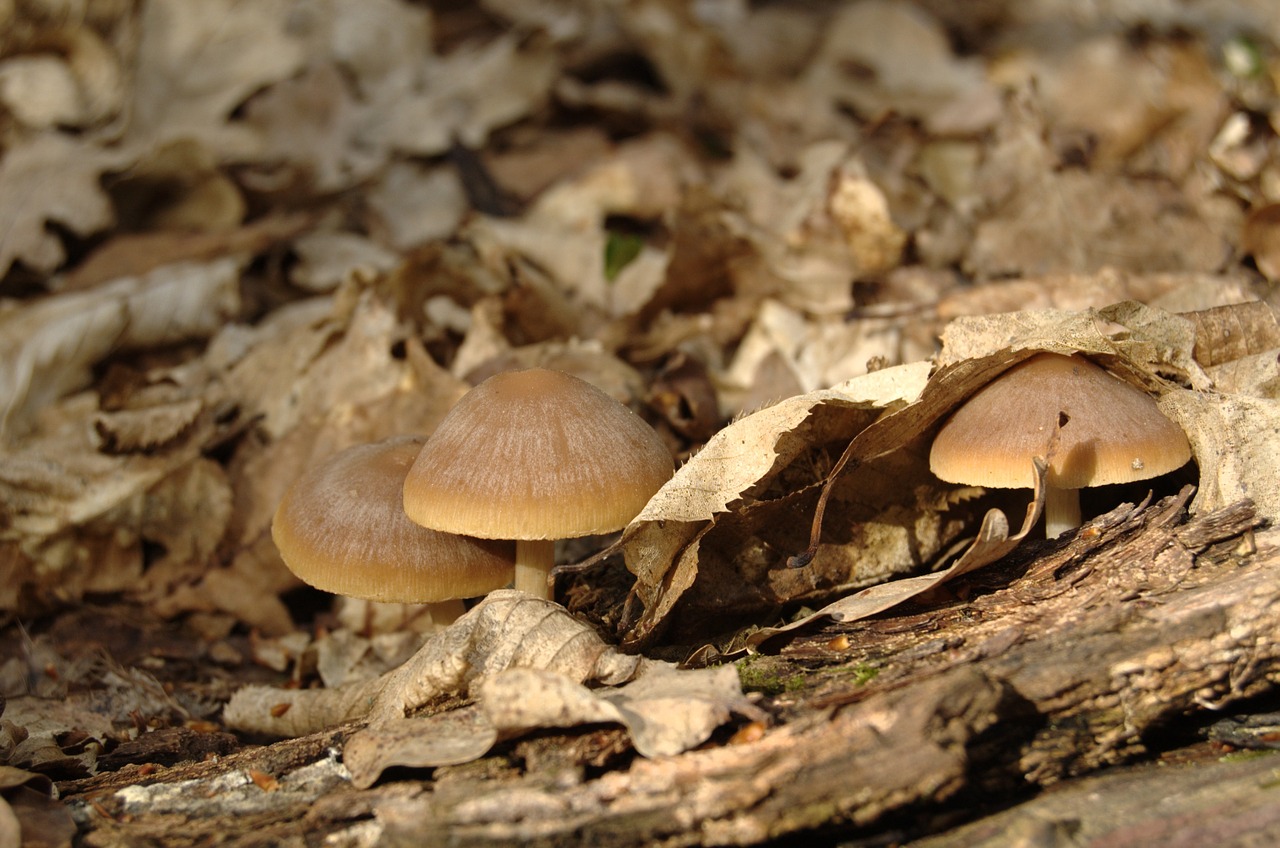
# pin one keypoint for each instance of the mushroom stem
(1061, 511)
(447, 612)
(534, 560)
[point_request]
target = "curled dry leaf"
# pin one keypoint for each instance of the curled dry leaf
(1237, 347)
(665, 710)
(445, 739)
(564, 229)
(992, 542)
(1234, 332)
(508, 629)
(662, 544)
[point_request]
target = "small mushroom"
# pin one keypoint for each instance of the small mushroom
(341, 528)
(1093, 429)
(535, 456)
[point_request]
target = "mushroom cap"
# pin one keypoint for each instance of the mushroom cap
(536, 454)
(1111, 431)
(341, 527)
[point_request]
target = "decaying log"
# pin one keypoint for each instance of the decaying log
(1131, 624)
(1065, 659)
(1231, 802)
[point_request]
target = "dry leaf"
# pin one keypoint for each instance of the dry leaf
(992, 542)
(1176, 292)
(464, 96)
(10, 827)
(412, 205)
(40, 91)
(563, 232)
(1261, 239)
(135, 254)
(885, 57)
(742, 458)
(1170, 99)
(50, 179)
(508, 629)
(1046, 219)
(815, 231)
(458, 736)
(1227, 333)
(665, 710)
(310, 124)
(197, 62)
(50, 347)
(328, 258)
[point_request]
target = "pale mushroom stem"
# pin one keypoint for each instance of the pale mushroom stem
(534, 560)
(1061, 511)
(447, 612)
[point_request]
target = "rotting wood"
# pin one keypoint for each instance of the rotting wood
(1056, 665)
(1228, 802)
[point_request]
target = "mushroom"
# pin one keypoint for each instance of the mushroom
(1092, 428)
(535, 455)
(341, 528)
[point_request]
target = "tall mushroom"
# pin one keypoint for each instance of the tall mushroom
(535, 456)
(1092, 428)
(341, 527)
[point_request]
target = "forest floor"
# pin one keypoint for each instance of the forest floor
(238, 238)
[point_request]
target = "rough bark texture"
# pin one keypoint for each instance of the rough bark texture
(1069, 657)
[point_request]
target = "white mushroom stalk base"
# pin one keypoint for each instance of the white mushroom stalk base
(534, 561)
(1061, 511)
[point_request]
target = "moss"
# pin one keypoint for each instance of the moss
(1245, 755)
(767, 675)
(862, 673)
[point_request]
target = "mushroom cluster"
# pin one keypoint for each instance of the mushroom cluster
(1092, 428)
(525, 458)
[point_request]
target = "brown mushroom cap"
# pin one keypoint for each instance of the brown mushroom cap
(1111, 431)
(536, 454)
(341, 527)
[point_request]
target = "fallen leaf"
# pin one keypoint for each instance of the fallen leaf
(309, 129)
(993, 541)
(743, 457)
(50, 347)
(197, 63)
(1042, 218)
(463, 96)
(508, 629)
(665, 710)
(50, 178)
(328, 258)
(412, 205)
(1228, 333)
(883, 57)
(450, 738)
